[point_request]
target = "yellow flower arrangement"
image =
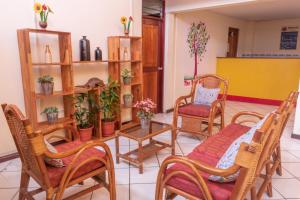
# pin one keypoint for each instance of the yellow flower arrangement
(124, 22)
(37, 7)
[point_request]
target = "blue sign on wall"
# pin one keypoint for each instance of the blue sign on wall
(289, 40)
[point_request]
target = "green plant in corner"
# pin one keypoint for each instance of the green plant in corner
(109, 100)
(126, 73)
(45, 79)
(86, 109)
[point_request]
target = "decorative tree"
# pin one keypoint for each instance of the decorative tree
(197, 40)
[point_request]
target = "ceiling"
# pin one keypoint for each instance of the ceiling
(261, 10)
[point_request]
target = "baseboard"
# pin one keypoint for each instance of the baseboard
(254, 100)
(169, 110)
(9, 157)
(295, 136)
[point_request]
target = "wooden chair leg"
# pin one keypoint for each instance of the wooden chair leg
(270, 190)
(278, 154)
(175, 123)
(49, 194)
(24, 185)
(253, 193)
(209, 128)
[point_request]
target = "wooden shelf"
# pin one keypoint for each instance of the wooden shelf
(45, 31)
(91, 62)
(50, 64)
(63, 120)
(55, 94)
(126, 37)
(131, 84)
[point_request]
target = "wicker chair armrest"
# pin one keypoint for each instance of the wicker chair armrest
(80, 148)
(246, 113)
(58, 137)
(179, 100)
(217, 104)
(60, 127)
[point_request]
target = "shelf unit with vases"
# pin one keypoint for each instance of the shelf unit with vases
(125, 52)
(32, 97)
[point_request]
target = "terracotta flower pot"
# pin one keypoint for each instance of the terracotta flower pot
(52, 117)
(86, 134)
(108, 128)
(127, 80)
(43, 25)
(47, 88)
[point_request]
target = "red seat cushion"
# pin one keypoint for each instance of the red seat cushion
(198, 110)
(209, 152)
(55, 174)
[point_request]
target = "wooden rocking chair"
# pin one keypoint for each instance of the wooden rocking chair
(194, 115)
(81, 160)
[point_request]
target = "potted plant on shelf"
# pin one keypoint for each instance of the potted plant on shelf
(43, 11)
(47, 84)
(127, 76)
(127, 98)
(86, 109)
(109, 103)
(145, 111)
(51, 113)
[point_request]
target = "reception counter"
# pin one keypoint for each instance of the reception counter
(260, 80)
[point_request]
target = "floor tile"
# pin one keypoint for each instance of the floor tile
(9, 193)
(288, 188)
(122, 192)
(142, 191)
(149, 175)
(292, 168)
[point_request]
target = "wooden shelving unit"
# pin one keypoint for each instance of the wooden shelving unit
(66, 69)
(117, 62)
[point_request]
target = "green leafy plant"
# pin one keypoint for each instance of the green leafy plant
(86, 109)
(46, 79)
(109, 100)
(126, 73)
(49, 110)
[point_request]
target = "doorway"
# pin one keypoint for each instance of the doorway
(153, 56)
(233, 38)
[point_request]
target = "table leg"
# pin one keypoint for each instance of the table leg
(117, 150)
(140, 157)
(173, 138)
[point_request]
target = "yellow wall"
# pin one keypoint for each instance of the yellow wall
(265, 78)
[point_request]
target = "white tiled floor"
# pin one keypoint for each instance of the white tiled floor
(134, 186)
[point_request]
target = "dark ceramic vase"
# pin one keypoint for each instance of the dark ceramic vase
(85, 50)
(43, 25)
(98, 54)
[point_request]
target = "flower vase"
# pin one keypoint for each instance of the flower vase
(43, 25)
(126, 32)
(145, 123)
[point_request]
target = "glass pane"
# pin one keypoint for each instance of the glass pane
(152, 8)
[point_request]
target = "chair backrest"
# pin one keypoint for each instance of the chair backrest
(211, 81)
(20, 129)
(251, 157)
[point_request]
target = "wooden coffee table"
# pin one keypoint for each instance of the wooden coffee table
(140, 135)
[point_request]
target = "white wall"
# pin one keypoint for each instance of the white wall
(94, 18)
(266, 36)
(178, 60)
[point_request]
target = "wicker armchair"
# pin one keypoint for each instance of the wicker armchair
(194, 115)
(189, 177)
(82, 160)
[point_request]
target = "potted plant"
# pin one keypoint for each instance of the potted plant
(85, 114)
(51, 113)
(145, 111)
(127, 100)
(47, 84)
(43, 11)
(126, 75)
(109, 103)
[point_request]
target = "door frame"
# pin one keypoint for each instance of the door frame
(160, 85)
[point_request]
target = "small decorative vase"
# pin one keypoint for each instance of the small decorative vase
(98, 54)
(86, 134)
(52, 117)
(47, 88)
(126, 80)
(127, 100)
(145, 123)
(85, 49)
(43, 25)
(126, 32)
(48, 54)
